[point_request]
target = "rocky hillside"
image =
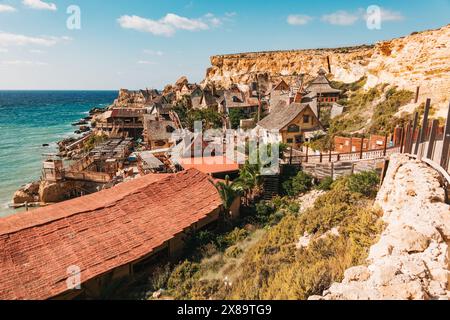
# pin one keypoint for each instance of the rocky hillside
(420, 59)
(411, 258)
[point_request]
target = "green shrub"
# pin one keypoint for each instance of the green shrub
(365, 183)
(301, 183)
(236, 115)
(231, 238)
(383, 120)
(182, 279)
(233, 252)
(325, 184)
(263, 212)
(199, 239)
(159, 277)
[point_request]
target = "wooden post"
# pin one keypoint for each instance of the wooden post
(407, 138)
(413, 134)
(425, 121)
(385, 145)
(329, 156)
(307, 149)
(416, 147)
(417, 94)
(351, 143)
(321, 157)
(446, 142)
(290, 156)
(432, 139)
(329, 64)
(332, 170)
(402, 139)
(384, 171)
(361, 151)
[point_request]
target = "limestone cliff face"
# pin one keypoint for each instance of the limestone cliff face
(421, 59)
(411, 258)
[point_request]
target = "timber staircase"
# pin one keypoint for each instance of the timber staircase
(271, 187)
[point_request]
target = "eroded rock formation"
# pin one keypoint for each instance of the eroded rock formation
(420, 59)
(411, 258)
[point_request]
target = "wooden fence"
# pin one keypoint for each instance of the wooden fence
(428, 140)
(343, 168)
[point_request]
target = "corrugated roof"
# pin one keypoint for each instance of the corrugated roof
(98, 232)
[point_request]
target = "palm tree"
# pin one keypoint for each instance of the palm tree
(249, 181)
(228, 193)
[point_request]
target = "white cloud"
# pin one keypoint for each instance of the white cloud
(6, 8)
(213, 20)
(146, 25)
(341, 18)
(154, 52)
(298, 19)
(345, 18)
(23, 63)
(39, 5)
(184, 23)
(36, 51)
(12, 39)
(388, 15)
(170, 23)
(145, 62)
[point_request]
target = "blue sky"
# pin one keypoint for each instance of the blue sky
(149, 43)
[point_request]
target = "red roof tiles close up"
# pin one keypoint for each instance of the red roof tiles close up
(98, 232)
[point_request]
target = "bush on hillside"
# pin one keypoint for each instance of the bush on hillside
(325, 184)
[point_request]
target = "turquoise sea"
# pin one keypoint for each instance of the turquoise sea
(29, 119)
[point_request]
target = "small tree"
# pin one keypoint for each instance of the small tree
(228, 194)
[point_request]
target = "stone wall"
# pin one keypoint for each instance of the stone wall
(411, 258)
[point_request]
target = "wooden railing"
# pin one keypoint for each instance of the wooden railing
(338, 157)
(429, 141)
(99, 177)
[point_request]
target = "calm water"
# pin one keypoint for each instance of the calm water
(29, 119)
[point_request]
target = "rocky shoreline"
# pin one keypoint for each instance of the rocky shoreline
(36, 193)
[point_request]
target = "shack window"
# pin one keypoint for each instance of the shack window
(293, 128)
(306, 119)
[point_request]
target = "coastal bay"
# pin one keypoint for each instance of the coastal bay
(31, 119)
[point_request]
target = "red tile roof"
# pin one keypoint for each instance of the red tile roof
(210, 165)
(98, 232)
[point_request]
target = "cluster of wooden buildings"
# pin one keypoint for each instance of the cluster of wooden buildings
(144, 217)
(149, 114)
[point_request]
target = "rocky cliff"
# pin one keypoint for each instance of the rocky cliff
(420, 59)
(411, 258)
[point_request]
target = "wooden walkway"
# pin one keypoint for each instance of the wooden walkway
(427, 141)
